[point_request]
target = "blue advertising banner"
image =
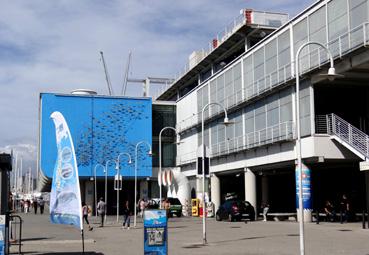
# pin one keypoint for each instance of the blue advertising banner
(65, 197)
(155, 232)
(306, 187)
(2, 234)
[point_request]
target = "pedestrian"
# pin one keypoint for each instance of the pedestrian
(85, 215)
(265, 208)
(142, 207)
(329, 211)
(26, 206)
(127, 212)
(345, 208)
(35, 205)
(101, 210)
(41, 203)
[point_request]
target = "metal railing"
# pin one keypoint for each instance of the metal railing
(261, 18)
(312, 59)
(15, 232)
(280, 132)
(334, 125)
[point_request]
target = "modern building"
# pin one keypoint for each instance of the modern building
(104, 128)
(250, 70)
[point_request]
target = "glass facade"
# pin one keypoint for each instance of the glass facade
(164, 116)
(267, 117)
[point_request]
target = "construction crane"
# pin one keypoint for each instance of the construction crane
(150, 80)
(110, 88)
(125, 79)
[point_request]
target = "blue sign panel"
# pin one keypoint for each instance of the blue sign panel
(2, 235)
(306, 187)
(155, 232)
(101, 128)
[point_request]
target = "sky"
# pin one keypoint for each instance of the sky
(53, 46)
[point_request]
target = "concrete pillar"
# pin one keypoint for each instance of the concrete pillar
(89, 193)
(265, 189)
(250, 188)
(144, 189)
(306, 192)
(215, 191)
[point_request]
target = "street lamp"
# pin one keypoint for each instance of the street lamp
(98, 164)
(226, 122)
(106, 186)
(159, 175)
(331, 75)
(136, 152)
(117, 168)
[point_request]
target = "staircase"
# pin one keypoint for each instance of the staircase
(345, 133)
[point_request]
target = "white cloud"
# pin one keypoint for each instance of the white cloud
(53, 46)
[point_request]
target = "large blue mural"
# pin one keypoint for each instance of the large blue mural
(101, 128)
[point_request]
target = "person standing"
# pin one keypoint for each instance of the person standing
(265, 208)
(26, 206)
(35, 205)
(41, 203)
(85, 215)
(101, 210)
(127, 212)
(142, 207)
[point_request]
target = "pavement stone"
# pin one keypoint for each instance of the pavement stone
(185, 237)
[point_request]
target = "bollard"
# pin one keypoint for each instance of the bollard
(363, 219)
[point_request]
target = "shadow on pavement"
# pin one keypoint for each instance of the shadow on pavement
(34, 239)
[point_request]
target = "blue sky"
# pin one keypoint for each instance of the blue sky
(53, 46)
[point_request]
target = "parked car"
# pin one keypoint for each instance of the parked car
(175, 207)
(235, 210)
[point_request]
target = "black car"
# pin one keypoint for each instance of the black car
(235, 210)
(175, 207)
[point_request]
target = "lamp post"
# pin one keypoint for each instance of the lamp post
(136, 152)
(159, 176)
(226, 122)
(331, 75)
(117, 168)
(98, 164)
(106, 186)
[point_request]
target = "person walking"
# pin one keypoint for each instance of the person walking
(85, 215)
(35, 205)
(101, 210)
(127, 212)
(41, 203)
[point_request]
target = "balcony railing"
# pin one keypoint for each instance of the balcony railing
(314, 58)
(277, 133)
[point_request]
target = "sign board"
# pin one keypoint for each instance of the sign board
(364, 166)
(118, 182)
(2, 234)
(199, 166)
(155, 232)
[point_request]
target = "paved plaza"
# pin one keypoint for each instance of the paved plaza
(185, 237)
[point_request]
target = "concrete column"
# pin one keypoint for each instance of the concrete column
(265, 189)
(144, 189)
(215, 191)
(306, 192)
(89, 193)
(250, 188)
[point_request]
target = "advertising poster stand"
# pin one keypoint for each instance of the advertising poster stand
(155, 232)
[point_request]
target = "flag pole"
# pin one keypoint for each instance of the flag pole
(83, 242)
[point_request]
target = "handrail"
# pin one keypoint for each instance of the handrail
(332, 124)
(19, 242)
